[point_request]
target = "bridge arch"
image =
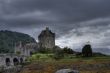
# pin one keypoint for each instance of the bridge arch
(21, 60)
(11, 60)
(15, 61)
(8, 61)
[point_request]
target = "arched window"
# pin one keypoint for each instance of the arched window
(7, 61)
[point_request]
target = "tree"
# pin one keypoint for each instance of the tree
(87, 50)
(67, 50)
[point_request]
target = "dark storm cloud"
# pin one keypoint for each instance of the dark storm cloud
(64, 12)
(68, 18)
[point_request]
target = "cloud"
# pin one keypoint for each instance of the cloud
(30, 18)
(98, 36)
(74, 21)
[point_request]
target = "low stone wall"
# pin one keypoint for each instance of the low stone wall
(11, 69)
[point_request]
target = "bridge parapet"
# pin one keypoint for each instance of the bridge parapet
(7, 60)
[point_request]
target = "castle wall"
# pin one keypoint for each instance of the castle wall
(11, 58)
(47, 42)
(25, 50)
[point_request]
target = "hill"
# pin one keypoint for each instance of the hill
(9, 38)
(105, 51)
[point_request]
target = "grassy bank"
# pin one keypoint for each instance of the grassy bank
(44, 63)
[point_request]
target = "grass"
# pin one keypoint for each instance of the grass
(40, 57)
(50, 57)
(44, 63)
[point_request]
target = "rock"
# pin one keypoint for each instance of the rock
(67, 71)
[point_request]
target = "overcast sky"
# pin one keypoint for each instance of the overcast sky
(75, 22)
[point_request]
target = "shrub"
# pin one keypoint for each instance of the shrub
(67, 50)
(18, 52)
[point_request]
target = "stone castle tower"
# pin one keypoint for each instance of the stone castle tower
(46, 39)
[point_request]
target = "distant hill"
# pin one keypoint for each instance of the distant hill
(105, 51)
(102, 50)
(9, 38)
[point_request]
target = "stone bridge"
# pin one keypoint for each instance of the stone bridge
(11, 60)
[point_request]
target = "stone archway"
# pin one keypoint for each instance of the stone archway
(21, 60)
(15, 61)
(7, 61)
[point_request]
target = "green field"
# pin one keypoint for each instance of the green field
(45, 63)
(50, 57)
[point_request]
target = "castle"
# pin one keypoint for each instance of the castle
(46, 40)
(26, 49)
